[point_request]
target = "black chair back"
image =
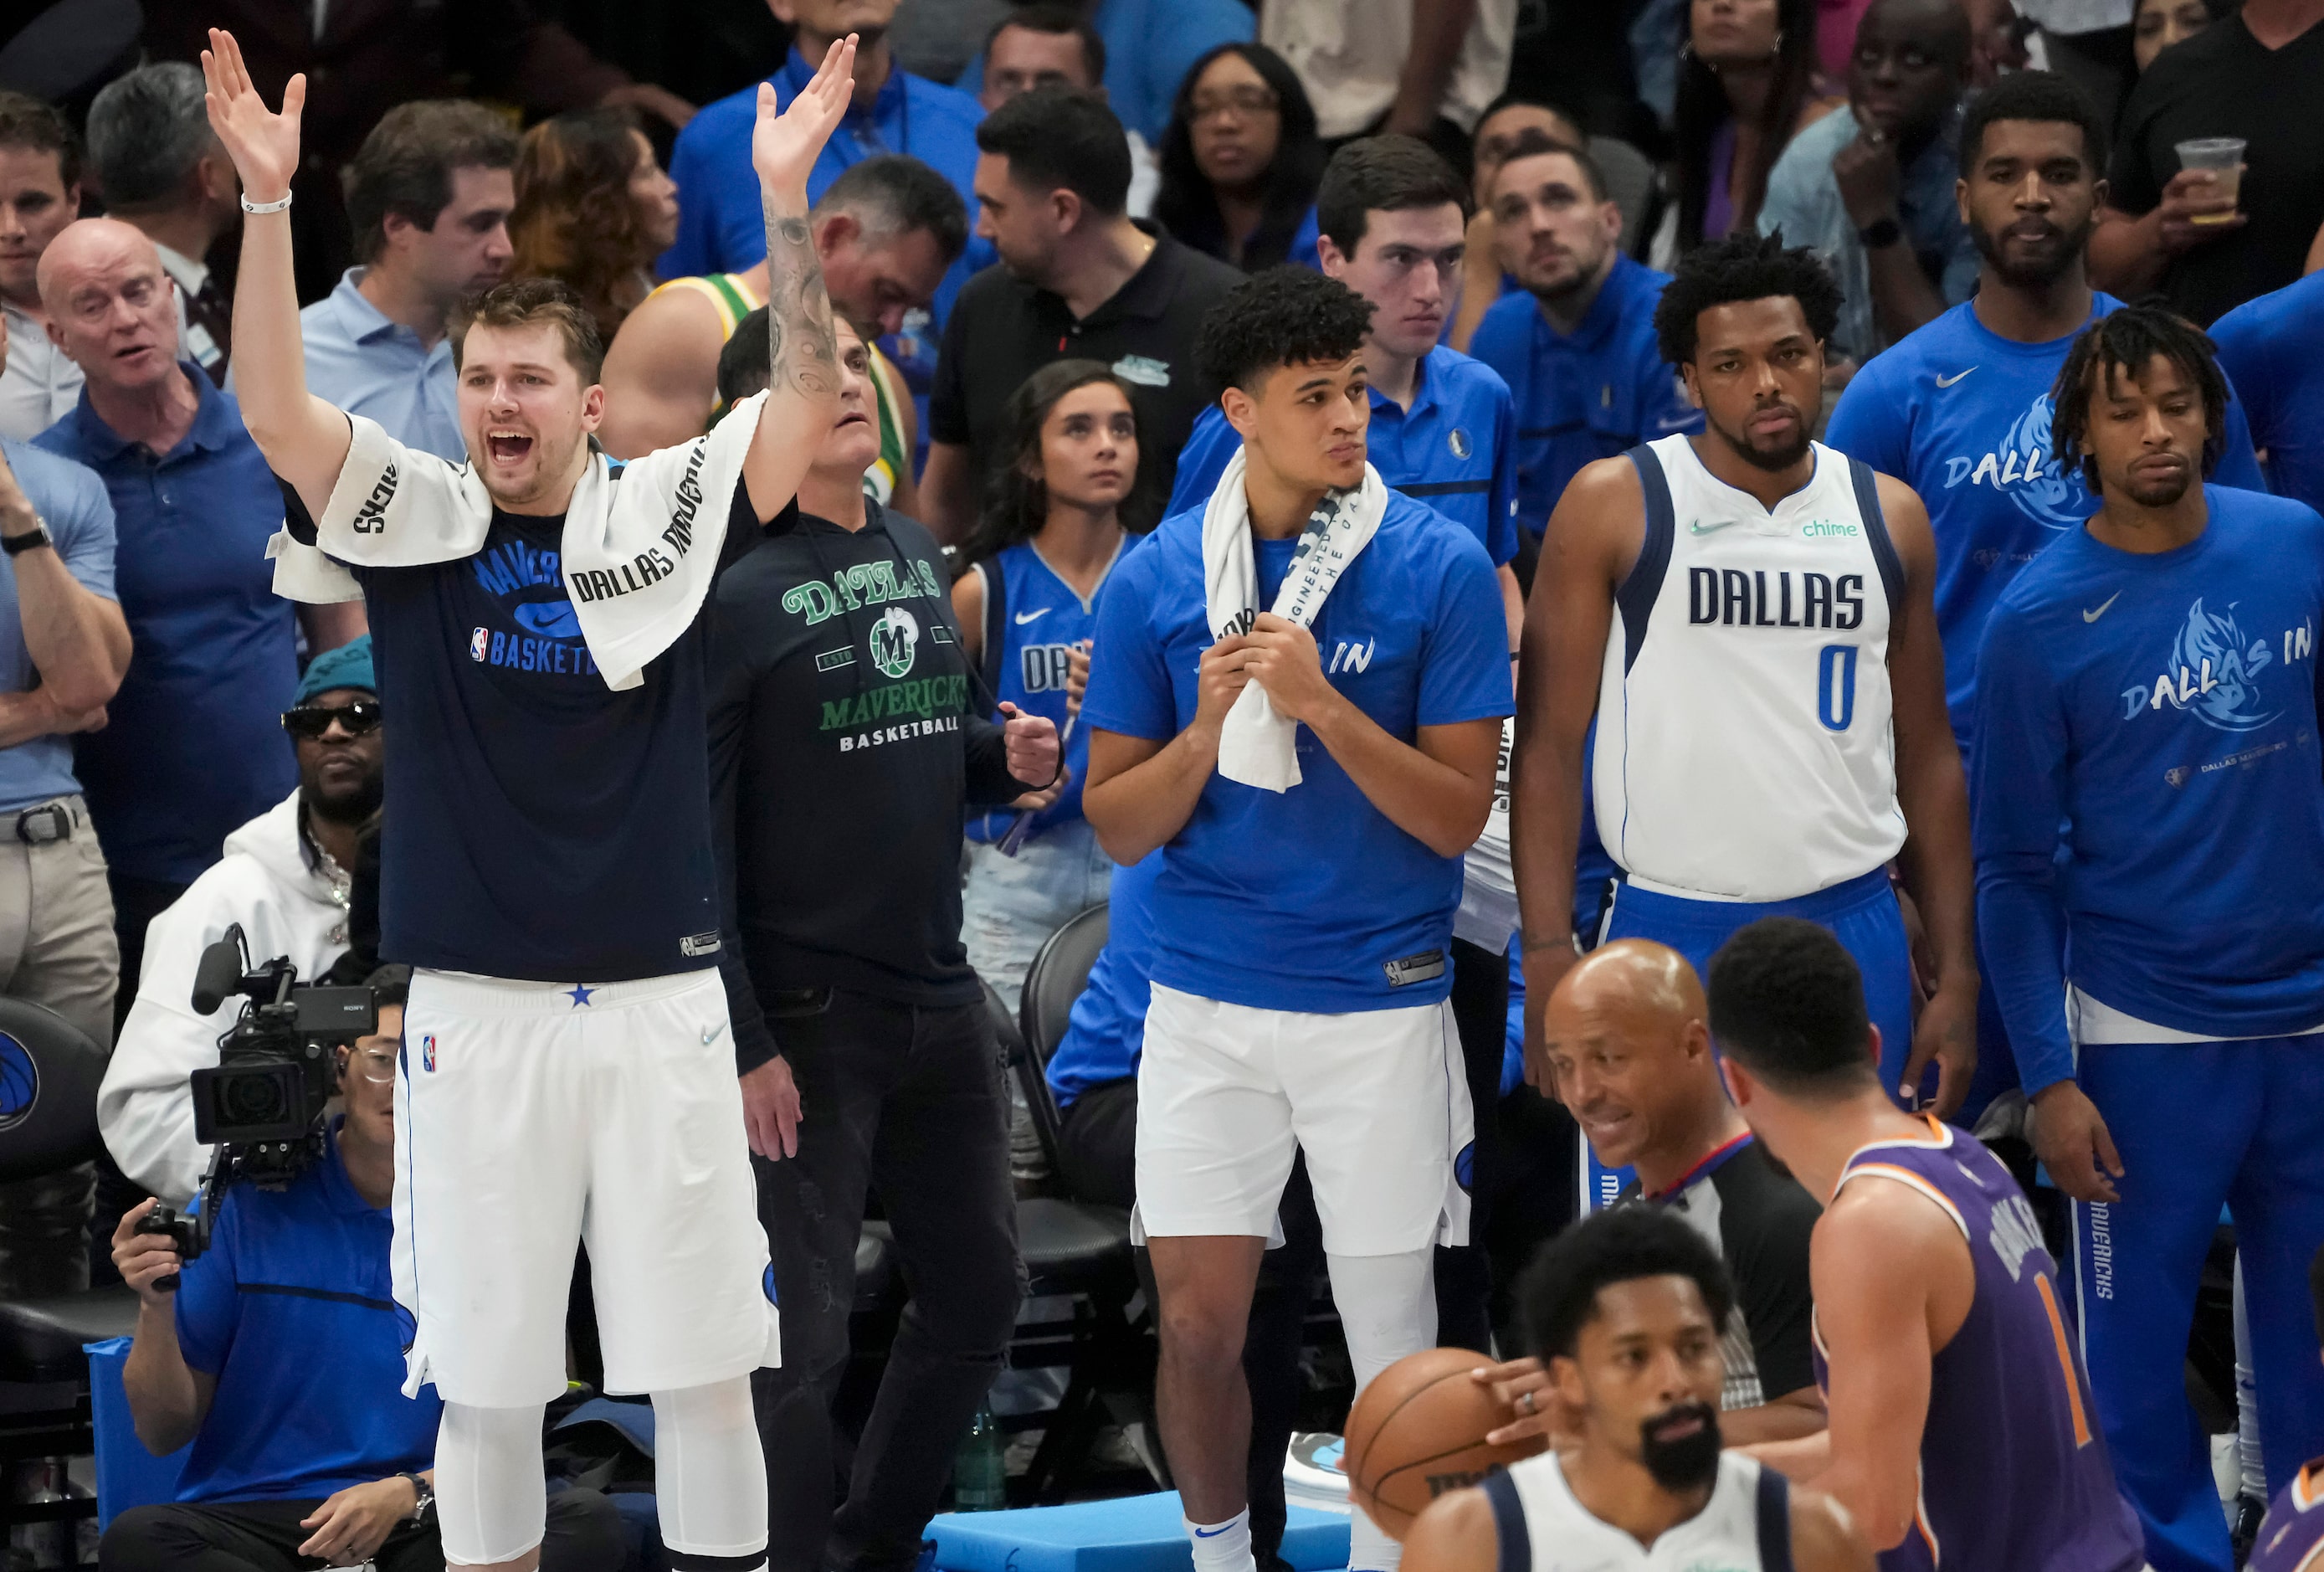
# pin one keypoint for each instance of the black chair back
(49, 1072)
(1059, 972)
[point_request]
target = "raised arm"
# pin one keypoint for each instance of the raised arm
(1593, 536)
(1933, 792)
(305, 439)
(803, 381)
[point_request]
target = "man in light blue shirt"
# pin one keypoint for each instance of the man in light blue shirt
(1869, 189)
(428, 196)
(63, 646)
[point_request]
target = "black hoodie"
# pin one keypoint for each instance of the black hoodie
(845, 746)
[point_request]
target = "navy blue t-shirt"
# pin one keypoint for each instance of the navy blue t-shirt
(544, 827)
(290, 1309)
(1302, 900)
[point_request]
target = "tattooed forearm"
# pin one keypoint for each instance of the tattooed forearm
(801, 350)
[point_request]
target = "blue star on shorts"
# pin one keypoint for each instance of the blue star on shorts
(580, 995)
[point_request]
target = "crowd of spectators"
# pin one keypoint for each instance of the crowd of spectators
(1027, 215)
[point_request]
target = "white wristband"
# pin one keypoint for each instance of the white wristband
(275, 207)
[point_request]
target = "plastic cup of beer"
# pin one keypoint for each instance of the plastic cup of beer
(2223, 158)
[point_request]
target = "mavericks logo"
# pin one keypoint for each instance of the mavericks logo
(895, 642)
(2213, 672)
(2024, 468)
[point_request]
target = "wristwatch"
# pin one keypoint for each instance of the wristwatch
(1880, 232)
(423, 1496)
(32, 539)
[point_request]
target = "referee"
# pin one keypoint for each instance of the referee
(844, 751)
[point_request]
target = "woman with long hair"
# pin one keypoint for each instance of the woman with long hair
(594, 209)
(1241, 161)
(1746, 85)
(1050, 534)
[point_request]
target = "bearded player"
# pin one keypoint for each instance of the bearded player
(566, 1076)
(1624, 1311)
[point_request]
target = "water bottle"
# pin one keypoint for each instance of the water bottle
(979, 1472)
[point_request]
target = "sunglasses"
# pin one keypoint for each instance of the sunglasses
(311, 721)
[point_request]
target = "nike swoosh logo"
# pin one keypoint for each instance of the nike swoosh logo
(1208, 1533)
(2090, 616)
(1949, 381)
(1025, 616)
(710, 1033)
(1701, 529)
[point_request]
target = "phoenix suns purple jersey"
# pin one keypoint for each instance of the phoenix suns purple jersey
(2014, 1471)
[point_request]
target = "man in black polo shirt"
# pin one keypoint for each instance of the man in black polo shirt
(843, 746)
(1078, 277)
(1626, 1042)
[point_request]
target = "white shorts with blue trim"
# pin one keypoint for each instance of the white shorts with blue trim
(1228, 1094)
(531, 1117)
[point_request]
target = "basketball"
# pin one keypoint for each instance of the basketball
(1418, 1430)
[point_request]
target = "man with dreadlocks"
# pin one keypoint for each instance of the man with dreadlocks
(1748, 615)
(2150, 808)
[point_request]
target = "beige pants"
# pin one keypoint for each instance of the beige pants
(57, 949)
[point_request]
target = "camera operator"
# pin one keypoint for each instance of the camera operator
(279, 1355)
(285, 879)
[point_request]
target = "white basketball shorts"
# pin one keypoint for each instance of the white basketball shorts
(1227, 1094)
(533, 1116)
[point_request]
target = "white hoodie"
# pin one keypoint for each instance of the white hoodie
(285, 908)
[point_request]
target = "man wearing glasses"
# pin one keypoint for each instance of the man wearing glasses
(284, 877)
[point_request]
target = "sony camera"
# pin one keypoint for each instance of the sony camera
(263, 1105)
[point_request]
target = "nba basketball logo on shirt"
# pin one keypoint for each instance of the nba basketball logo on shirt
(479, 642)
(428, 1053)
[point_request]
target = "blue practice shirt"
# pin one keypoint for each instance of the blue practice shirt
(71, 501)
(1150, 45)
(722, 227)
(368, 366)
(1106, 1032)
(1455, 449)
(193, 748)
(2164, 710)
(290, 1309)
(1032, 627)
(1300, 900)
(1962, 416)
(2273, 348)
(1590, 394)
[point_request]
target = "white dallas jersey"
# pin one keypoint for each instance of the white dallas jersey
(1745, 749)
(1746, 1526)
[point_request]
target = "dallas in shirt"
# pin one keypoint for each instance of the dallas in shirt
(1962, 416)
(1298, 900)
(1455, 449)
(2163, 707)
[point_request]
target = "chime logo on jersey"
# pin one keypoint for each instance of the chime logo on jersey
(2023, 467)
(895, 641)
(2213, 672)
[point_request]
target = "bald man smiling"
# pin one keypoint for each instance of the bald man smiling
(1626, 1042)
